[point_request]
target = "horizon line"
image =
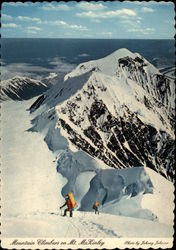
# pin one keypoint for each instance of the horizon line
(87, 38)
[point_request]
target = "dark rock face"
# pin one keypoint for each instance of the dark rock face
(37, 103)
(129, 142)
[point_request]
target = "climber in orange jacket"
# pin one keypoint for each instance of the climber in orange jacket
(95, 207)
(69, 206)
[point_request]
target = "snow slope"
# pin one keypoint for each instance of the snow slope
(31, 190)
(83, 224)
(162, 200)
(30, 182)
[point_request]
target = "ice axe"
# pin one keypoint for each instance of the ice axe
(61, 210)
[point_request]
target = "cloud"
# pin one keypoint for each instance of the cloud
(106, 33)
(90, 6)
(60, 22)
(150, 3)
(53, 7)
(10, 25)
(95, 20)
(78, 27)
(83, 55)
(64, 7)
(35, 71)
(134, 23)
(144, 31)
(60, 65)
(147, 10)
(130, 22)
(127, 12)
(108, 14)
(34, 28)
(88, 14)
(150, 29)
(21, 69)
(31, 31)
(17, 4)
(6, 17)
(70, 26)
(29, 19)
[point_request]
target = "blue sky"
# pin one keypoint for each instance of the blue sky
(140, 20)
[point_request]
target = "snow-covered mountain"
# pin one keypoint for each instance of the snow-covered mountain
(135, 202)
(21, 88)
(119, 110)
(124, 64)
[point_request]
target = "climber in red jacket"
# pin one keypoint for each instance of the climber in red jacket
(69, 206)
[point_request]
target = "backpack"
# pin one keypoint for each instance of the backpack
(71, 197)
(96, 204)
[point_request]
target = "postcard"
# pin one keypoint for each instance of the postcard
(87, 104)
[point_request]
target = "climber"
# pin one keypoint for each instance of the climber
(95, 207)
(71, 204)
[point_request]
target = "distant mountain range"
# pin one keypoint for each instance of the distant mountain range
(21, 88)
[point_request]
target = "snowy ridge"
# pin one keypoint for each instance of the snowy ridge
(21, 88)
(104, 128)
(108, 64)
(133, 66)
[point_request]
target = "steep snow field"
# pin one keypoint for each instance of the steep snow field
(31, 190)
(29, 178)
(161, 202)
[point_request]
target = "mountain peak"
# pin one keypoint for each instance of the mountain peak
(120, 53)
(114, 108)
(114, 64)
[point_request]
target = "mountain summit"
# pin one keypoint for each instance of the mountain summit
(118, 109)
